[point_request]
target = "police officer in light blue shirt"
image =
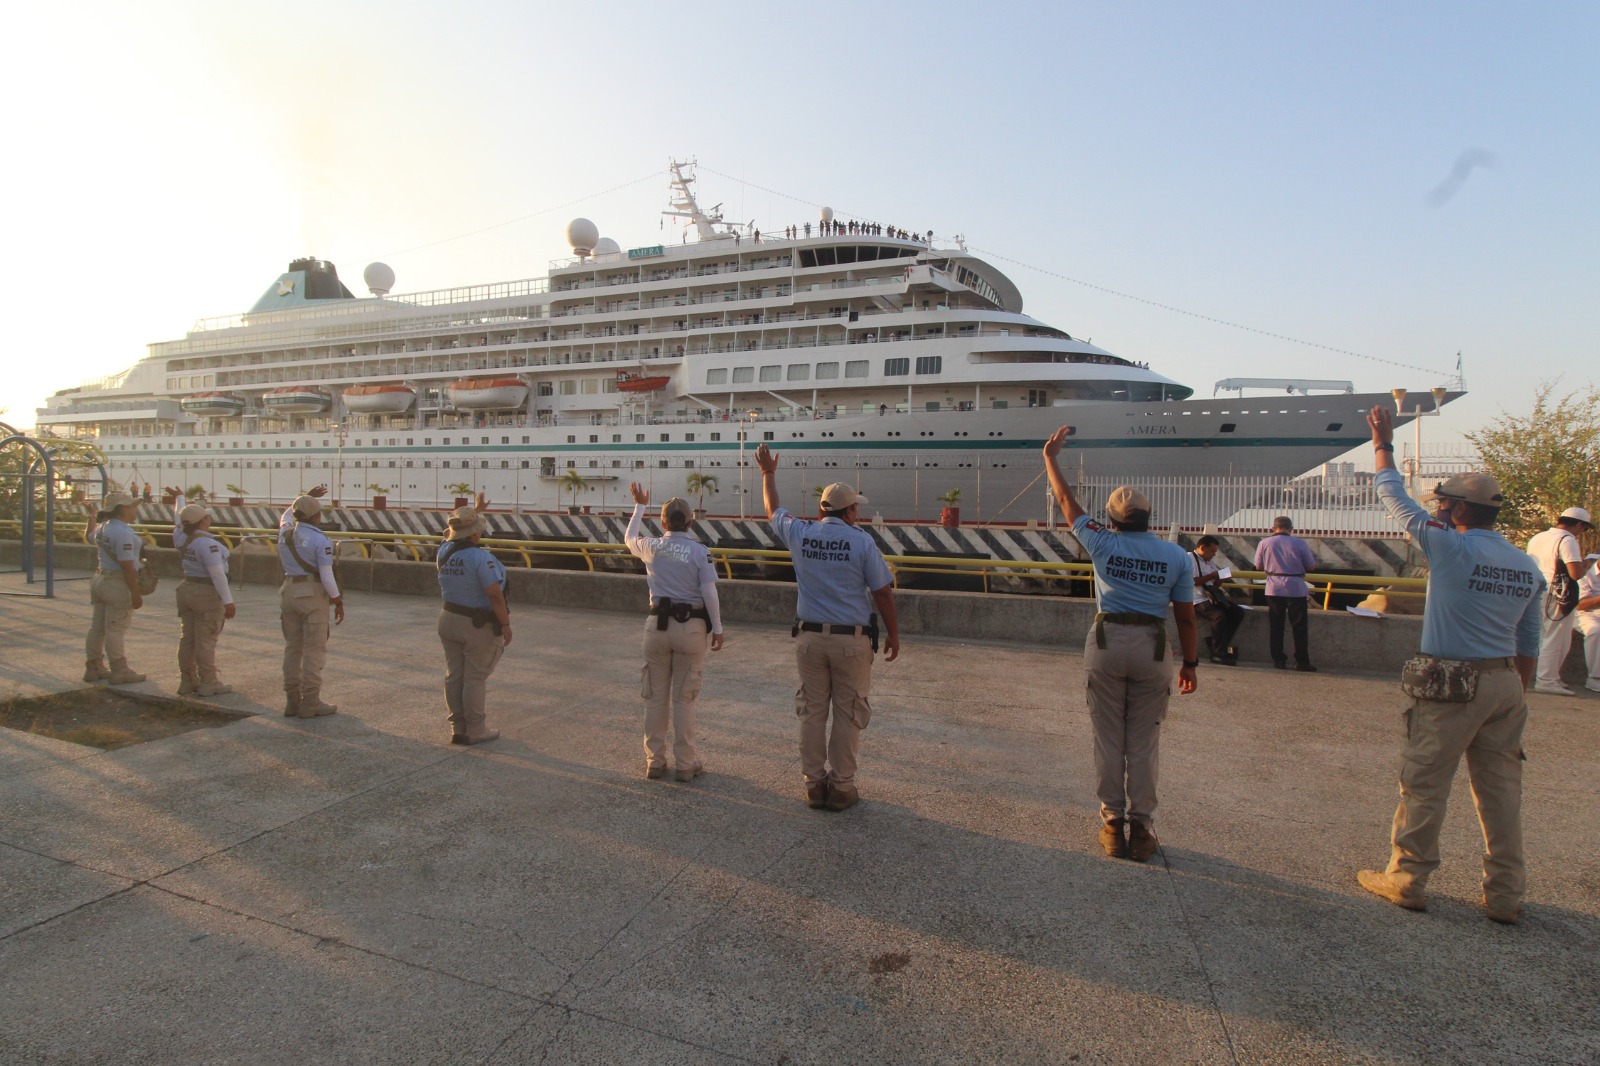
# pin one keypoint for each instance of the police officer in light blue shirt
(1137, 576)
(841, 576)
(474, 624)
(1480, 644)
(114, 592)
(308, 589)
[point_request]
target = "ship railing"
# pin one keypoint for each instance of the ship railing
(1340, 503)
(992, 575)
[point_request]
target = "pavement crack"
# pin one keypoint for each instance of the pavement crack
(1200, 958)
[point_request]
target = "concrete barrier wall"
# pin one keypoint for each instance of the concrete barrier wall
(1340, 642)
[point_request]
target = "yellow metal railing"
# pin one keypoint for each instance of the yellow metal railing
(420, 548)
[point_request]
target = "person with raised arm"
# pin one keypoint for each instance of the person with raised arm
(1136, 575)
(840, 577)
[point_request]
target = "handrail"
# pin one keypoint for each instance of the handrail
(420, 547)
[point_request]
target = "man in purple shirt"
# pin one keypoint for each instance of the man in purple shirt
(1286, 559)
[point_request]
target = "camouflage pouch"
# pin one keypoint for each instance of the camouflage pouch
(1439, 680)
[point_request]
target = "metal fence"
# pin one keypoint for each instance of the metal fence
(1341, 504)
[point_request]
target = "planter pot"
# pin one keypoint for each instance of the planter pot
(380, 503)
(586, 508)
(235, 501)
(572, 508)
(462, 501)
(950, 517)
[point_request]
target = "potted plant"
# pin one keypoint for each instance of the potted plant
(237, 499)
(460, 488)
(380, 496)
(700, 484)
(573, 481)
(950, 517)
(195, 493)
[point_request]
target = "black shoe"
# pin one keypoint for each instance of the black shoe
(1305, 668)
(1280, 666)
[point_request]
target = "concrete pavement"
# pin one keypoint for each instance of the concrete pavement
(354, 889)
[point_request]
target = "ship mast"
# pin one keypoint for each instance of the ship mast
(684, 205)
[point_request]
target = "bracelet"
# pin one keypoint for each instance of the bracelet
(1191, 664)
(1384, 447)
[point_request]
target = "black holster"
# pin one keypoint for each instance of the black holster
(665, 609)
(480, 616)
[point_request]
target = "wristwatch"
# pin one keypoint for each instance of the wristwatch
(1383, 447)
(1191, 664)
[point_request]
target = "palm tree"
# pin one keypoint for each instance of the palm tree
(700, 484)
(571, 480)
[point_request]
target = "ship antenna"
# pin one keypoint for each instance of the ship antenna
(684, 205)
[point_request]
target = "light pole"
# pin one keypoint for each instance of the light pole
(340, 431)
(746, 424)
(1418, 414)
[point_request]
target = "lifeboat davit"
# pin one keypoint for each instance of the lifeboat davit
(488, 394)
(379, 399)
(293, 401)
(627, 382)
(211, 404)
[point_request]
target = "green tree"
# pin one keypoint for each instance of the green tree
(573, 482)
(700, 484)
(1545, 461)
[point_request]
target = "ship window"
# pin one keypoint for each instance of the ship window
(930, 364)
(638, 464)
(855, 368)
(481, 440)
(638, 438)
(568, 386)
(1228, 427)
(445, 464)
(688, 436)
(767, 435)
(524, 464)
(827, 370)
(666, 436)
(1334, 427)
(505, 464)
(427, 464)
(408, 442)
(590, 386)
(571, 439)
(743, 374)
(716, 436)
(616, 462)
(894, 368)
(524, 440)
(594, 438)
(445, 441)
(717, 376)
(593, 463)
(425, 440)
(799, 371)
(484, 463)
(662, 464)
(409, 464)
(546, 389)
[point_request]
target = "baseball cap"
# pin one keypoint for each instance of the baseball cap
(838, 496)
(193, 514)
(1125, 500)
(676, 506)
(114, 500)
(1470, 488)
(307, 506)
(1579, 513)
(465, 522)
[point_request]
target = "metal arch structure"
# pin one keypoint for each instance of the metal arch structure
(37, 460)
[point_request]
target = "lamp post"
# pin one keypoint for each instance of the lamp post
(340, 431)
(1417, 415)
(746, 423)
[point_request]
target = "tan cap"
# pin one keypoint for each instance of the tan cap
(114, 500)
(193, 514)
(1579, 513)
(677, 506)
(839, 496)
(307, 506)
(1124, 501)
(1470, 488)
(464, 522)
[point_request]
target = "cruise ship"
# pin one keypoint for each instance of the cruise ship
(857, 351)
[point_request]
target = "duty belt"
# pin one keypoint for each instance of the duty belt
(870, 630)
(665, 609)
(301, 577)
(1131, 618)
(481, 616)
(1483, 666)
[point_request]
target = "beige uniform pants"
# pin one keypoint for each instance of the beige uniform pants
(112, 615)
(836, 672)
(1128, 690)
(470, 655)
(200, 621)
(1489, 731)
(674, 664)
(303, 611)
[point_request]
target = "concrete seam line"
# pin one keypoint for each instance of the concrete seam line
(1200, 957)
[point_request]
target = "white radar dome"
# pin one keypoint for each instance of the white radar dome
(379, 278)
(583, 235)
(606, 246)
(827, 214)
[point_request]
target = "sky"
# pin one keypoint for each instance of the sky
(1404, 182)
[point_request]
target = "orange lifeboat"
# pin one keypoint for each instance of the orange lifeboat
(378, 399)
(629, 382)
(488, 394)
